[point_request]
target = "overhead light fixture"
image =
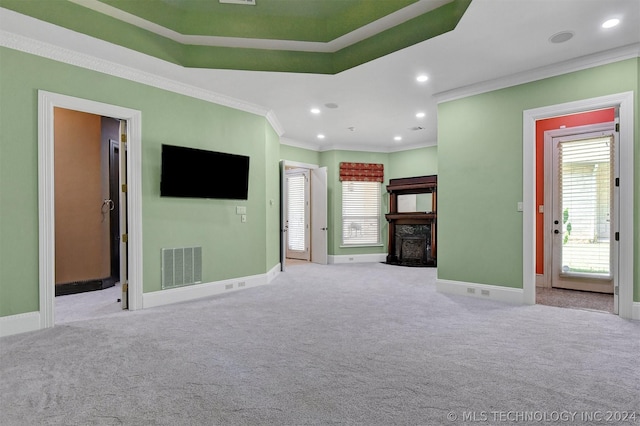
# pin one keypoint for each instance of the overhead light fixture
(331, 105)
(320, 136)
(397, 138)
(610, 23)
(420, 115)
(422, 78)
(315, 110)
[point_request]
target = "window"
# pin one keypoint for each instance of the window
(360, 213)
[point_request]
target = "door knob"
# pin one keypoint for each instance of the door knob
(556, 222)
(555, 231)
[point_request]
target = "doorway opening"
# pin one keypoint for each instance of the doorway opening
(621, 249)
(582, 218)
(88, 217)
(59, 260)
(303, 214)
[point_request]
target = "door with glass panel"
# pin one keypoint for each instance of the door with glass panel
(297, 213)
(584, 212)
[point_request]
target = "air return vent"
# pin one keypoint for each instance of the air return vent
(247, 2)
(181, 266)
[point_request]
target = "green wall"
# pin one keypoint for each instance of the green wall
(230, 248)
(413, 162)
(480, 171)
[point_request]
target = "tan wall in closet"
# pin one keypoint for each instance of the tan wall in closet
(82, 232)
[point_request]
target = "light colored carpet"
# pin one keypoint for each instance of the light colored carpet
(358, 344)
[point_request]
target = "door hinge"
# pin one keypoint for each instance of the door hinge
(125, 287)
(124, 187)
(617, 236)
(617, 127)
(125, 238)
(616, 290)
(617, 181)
(123, 138)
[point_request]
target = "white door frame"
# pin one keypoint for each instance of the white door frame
(624, 101)
(283, 237)
(47, 101)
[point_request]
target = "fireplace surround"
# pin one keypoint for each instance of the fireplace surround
(412, 235)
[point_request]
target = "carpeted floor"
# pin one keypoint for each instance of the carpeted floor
(358, 344)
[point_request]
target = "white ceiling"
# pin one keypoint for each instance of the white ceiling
(497, 43)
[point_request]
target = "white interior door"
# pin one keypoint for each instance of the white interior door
(319, 225)
(124, 238)
(584, 213)
(297, 213)
(283, 215)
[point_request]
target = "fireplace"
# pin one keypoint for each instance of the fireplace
(412, 235)
(413, 245)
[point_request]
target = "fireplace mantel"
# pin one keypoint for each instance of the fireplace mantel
(407, 229)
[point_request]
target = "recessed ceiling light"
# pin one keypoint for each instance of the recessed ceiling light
(321, 136)
(397, 138)
(315, 110)
(422, 78)
(331, 105)
(561, 37)
(610, 23)
(420, 114)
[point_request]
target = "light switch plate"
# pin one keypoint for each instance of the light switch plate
(241, 210)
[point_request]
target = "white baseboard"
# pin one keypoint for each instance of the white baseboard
(358, 258)
(198, 291)
(20, 323)
(482, 291)
(635, 311)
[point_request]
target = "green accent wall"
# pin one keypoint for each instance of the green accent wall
(274, 21)
(230, 248)
(480, 171)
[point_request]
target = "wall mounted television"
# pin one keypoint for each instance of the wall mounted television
(197, 173)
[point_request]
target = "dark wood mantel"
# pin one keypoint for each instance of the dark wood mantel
(413, 185)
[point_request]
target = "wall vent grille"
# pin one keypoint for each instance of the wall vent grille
(181, 266)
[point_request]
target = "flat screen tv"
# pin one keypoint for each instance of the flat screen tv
(197, 173)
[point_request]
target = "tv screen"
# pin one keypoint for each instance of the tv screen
(198, 173)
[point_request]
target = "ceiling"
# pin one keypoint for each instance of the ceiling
(356, 61)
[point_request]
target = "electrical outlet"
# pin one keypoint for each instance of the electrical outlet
(484, 292)
(243, 218)
(241, 284)
(471, 290)
(351, 259)
(228, 286)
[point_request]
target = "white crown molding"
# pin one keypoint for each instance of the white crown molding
(362, 33)
(300, 144)
(26, 44)
(577, 64)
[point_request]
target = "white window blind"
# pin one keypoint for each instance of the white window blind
(586, 187)
(296, 212)
(360, 213)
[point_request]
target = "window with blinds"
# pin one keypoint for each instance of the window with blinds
(296, 211)
(585, 170)
(360, 213)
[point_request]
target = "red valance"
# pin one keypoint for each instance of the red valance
(363, 172)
